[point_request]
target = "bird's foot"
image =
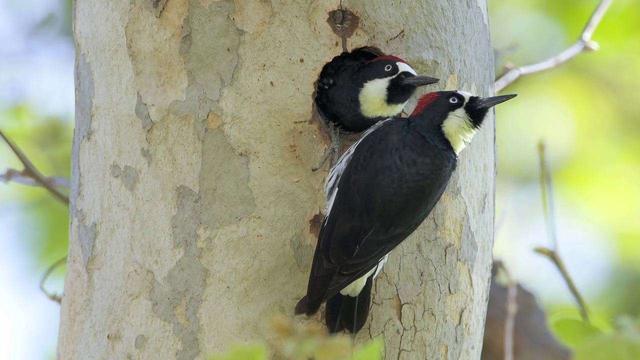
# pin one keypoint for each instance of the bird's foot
(332, 151)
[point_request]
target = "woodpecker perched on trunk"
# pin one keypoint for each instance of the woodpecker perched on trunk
(357, 89)
(379, 192)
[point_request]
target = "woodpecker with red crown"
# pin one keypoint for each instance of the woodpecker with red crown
(379, 192)
(357, 89)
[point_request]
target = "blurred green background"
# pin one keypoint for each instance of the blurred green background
(586, 111)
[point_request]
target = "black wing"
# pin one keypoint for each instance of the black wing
(392, 181)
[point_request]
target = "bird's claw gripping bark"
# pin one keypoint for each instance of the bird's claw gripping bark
(332, 151)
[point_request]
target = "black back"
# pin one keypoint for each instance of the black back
(392, 182)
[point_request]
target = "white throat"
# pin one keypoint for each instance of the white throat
(458, 128)
(373, 99)
(373, 96)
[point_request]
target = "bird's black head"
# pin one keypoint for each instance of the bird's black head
(387, 84)
(458, 113)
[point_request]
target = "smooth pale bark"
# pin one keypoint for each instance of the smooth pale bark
(194, 207)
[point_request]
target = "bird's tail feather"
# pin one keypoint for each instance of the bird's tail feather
(343, 312)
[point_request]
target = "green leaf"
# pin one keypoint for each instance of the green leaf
(243, 352)
(618, 346)
(573, 332)
(372, 350)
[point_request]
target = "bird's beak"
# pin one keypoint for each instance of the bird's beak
(486, 103)
(419, 80)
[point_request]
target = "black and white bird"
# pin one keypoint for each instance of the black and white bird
(379, 192)
(357, 89)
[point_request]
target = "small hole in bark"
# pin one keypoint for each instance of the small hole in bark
(343, 22)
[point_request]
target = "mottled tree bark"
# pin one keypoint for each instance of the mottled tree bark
(193, 203)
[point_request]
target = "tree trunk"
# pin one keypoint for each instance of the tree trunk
(194, 207)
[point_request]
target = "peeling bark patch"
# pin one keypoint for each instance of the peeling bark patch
(224, 182)
(158, 6)
(142, 112)
(140, 342)
(130, 178)
(115, 170)
(469, 246)
(207, 74)
(153, 45)
(85, 91)
(87, 235)
(178, 298)
(146, 154)
(129, 175)
(206, 23)
(302, 251)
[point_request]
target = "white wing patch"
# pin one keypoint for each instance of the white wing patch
(331, 190)
(356, 287)
(331, 185)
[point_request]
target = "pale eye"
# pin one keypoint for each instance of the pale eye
(453, 100)
(388, 68)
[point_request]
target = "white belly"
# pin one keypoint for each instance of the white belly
(356, 287)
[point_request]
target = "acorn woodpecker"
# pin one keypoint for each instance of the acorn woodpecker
(357, 89)
(379, 192)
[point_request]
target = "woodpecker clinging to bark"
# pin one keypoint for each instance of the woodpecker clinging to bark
(359, 88)
(378, 193)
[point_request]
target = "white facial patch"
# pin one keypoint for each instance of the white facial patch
(373, 96)
(373, 99)
(457, 127)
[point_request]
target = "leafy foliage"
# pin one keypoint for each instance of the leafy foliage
(302, 342)
(43, 221)
(243, 352)
(591, 343)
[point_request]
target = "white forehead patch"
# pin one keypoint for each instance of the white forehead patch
(466, 95)
(405, 67)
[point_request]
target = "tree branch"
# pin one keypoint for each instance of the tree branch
(559, 264)
(32, 172)
(53, 297)
(19, 177)
(546, 189)
(584, 43)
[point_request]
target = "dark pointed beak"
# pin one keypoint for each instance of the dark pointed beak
(419, 80)
(486, 103)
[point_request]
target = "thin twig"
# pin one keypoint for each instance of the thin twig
(512, 311)
(557, 261)
(53, 297)
(546, 189)
(584, 43)
(31, 171)
(19, 177)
